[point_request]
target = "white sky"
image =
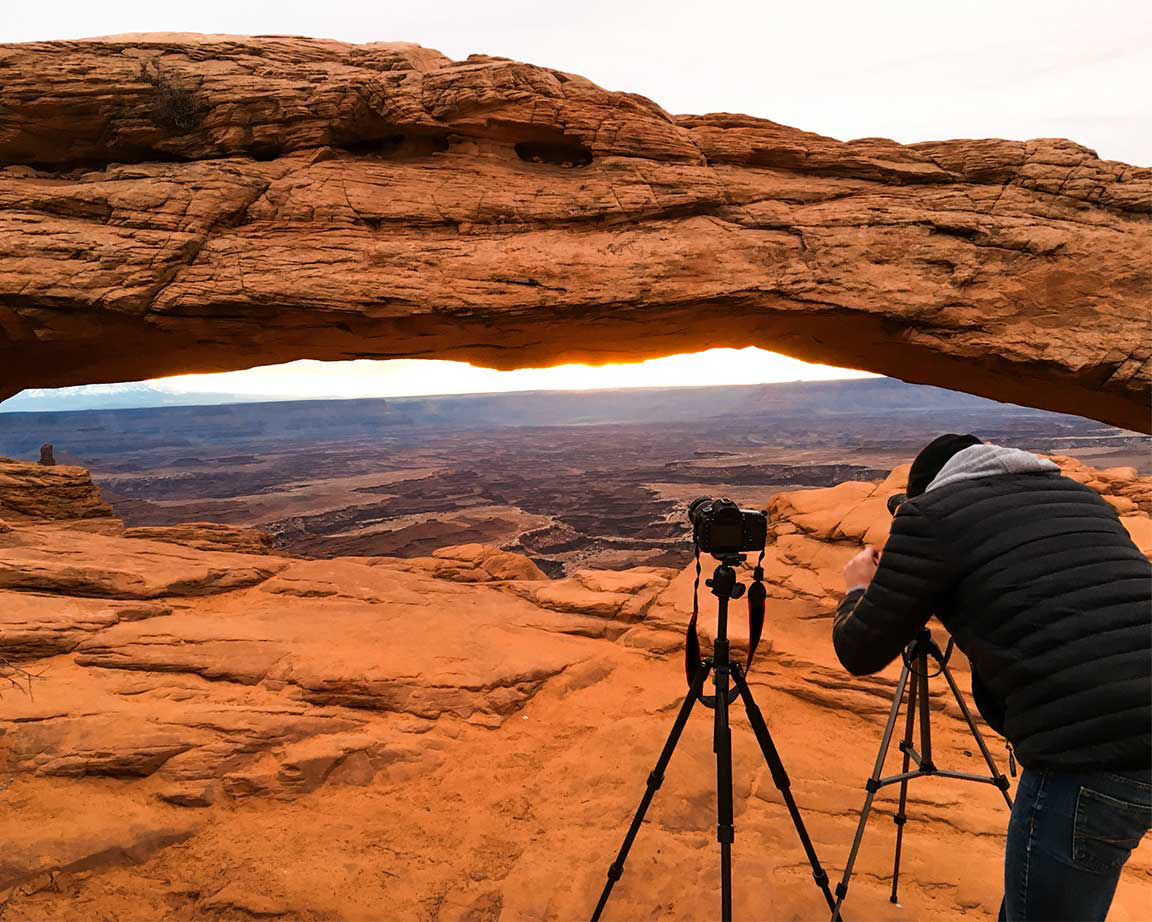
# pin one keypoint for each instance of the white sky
(911, 70)
(410, 377)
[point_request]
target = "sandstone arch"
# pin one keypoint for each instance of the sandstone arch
(192, 203)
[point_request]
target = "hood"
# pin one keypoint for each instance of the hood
(988, 461)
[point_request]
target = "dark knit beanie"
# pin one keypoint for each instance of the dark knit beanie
(933, 457)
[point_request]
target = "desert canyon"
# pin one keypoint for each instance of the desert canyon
(200, 729)
(199, 722)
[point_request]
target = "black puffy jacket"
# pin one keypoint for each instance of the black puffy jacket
(1042, 587)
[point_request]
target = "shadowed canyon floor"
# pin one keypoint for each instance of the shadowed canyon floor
(572, 480)
(219, 732)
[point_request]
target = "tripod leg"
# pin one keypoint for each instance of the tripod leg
(901, 816)
(926, 763)
(781, 779)
(1001, 780)
(872, 786)
(616, 869)
(722, 743)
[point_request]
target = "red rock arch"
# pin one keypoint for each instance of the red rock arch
(201, 203)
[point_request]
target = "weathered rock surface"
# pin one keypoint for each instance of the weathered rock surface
(611, 600)
(74, 562)
(36, 493)
(377, 739)
(35, 625)
(207, 536)
(54, 836)
(473, 563)
(195, 203)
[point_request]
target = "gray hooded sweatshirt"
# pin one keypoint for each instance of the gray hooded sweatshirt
(977, 461)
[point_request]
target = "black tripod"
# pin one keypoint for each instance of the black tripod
(724, 586)
(915, 666)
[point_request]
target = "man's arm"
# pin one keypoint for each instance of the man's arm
(874, 624)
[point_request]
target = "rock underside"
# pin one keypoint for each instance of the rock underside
(213, 732)
(203, 203)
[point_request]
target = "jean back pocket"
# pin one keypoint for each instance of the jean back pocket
(1105, 830)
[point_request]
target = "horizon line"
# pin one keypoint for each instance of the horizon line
(239, 399)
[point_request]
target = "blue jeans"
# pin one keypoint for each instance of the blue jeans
(1068, 839)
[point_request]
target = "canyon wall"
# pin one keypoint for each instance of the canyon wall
(178, 203)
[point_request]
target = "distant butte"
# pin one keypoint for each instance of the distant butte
(177, 203)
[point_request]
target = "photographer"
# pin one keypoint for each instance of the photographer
(1041, 586)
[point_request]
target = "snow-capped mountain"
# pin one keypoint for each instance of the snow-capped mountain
(134, 394)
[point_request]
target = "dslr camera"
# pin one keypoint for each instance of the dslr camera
(721, 528)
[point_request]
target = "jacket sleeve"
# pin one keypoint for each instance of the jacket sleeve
(873, 625)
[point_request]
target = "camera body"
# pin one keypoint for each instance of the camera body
(721, 528)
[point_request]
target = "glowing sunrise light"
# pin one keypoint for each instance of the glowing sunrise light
(418, 377)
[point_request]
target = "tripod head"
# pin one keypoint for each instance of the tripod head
(723, 582)
(725, 587)
(922, 646)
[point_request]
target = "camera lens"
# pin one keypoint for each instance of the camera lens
(694, 508)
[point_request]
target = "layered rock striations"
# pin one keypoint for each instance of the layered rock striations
(38, 493)
(175, 203)
(450, 737)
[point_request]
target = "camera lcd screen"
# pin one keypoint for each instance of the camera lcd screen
(728, 534)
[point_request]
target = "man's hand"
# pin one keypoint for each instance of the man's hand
(861, 568)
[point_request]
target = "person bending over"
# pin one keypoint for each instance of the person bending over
(1041, 586)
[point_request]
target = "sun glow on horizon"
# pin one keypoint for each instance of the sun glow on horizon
(428, 377)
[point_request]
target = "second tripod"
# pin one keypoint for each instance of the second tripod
(724, 586)
(914, 678)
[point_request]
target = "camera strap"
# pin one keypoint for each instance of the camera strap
(756, 597)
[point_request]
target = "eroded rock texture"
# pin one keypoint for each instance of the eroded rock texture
(453, 737)
(39, 493)
(194, 203)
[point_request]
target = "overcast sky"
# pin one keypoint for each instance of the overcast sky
(912, 70)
